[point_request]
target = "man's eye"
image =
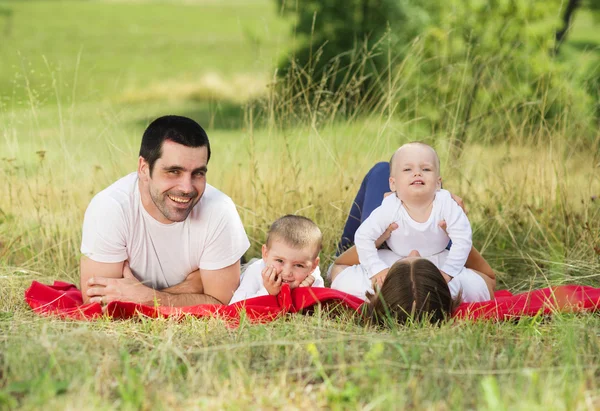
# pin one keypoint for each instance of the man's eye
(200, 173)
(174, 172)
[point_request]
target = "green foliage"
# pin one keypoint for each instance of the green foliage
(344, 45)
(474, 67)
(490, 63)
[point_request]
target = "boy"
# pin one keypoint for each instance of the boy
(427, 218)
(290, 256)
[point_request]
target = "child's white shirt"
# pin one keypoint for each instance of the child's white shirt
(251, 282)
(427, 238)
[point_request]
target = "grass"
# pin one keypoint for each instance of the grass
(95, 50)
(530, 202)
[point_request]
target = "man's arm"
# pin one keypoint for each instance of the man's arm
(89, 268)
(200, 287)
(203, 287)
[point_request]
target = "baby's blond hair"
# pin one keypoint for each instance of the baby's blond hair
(296, 231)
(420, 143)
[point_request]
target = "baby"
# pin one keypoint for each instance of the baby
(427, 218)
(290, 256)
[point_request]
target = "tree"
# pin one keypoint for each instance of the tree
(343, 43)
(567, 18)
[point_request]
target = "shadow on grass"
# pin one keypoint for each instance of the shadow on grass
(210, 115)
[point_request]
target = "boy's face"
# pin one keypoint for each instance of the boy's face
(415, 172)
(292, 264)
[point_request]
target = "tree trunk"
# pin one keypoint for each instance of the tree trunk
(562, 33)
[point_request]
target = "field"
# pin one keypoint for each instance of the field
(79, 82)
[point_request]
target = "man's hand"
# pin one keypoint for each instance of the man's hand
(271, 280)
(104, 290)
(308, 281)
(378, 279)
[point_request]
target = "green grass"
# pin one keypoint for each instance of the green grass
(77, 51)
(530, 203)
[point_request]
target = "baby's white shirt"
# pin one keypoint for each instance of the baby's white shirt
(251, 282)
(427, 238)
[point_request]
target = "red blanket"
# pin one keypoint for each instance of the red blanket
(65, 300)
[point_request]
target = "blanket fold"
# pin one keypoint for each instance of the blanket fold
(65, 300)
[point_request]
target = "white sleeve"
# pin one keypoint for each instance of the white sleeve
(251, 284)
(104, 233)
(226, 241)
(318, 279)
(459, 231)
(369, 231)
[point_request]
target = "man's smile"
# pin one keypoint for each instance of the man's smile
(180, 200)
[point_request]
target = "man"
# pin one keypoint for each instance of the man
(163, 235)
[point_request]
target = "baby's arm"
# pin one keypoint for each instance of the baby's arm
(369, 231)
(251, 284)
(459, 231)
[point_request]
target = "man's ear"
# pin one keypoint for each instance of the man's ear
(392, 184)
(264, 252)
(143, 169)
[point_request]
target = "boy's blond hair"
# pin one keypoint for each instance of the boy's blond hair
(420, 143)
(296, 231)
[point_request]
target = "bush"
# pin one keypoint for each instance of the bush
(483, 69)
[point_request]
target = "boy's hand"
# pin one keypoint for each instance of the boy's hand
(271, 280)
(308, 281)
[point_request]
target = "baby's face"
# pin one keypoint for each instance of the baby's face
(415, 173)
(292, 264)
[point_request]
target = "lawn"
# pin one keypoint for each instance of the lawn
(80, 80)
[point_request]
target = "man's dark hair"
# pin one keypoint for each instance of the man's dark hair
(178, 129)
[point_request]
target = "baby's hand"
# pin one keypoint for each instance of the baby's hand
(271, 280)
(308, 281)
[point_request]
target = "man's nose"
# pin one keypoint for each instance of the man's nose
(414, 253)
(185, 184)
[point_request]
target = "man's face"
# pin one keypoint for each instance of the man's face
(415, 172)
(177, 182)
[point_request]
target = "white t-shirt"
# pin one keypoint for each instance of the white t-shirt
(427, 238)
(251, 282)
(117, 227)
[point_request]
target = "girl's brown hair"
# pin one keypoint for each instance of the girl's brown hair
(412, 291)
